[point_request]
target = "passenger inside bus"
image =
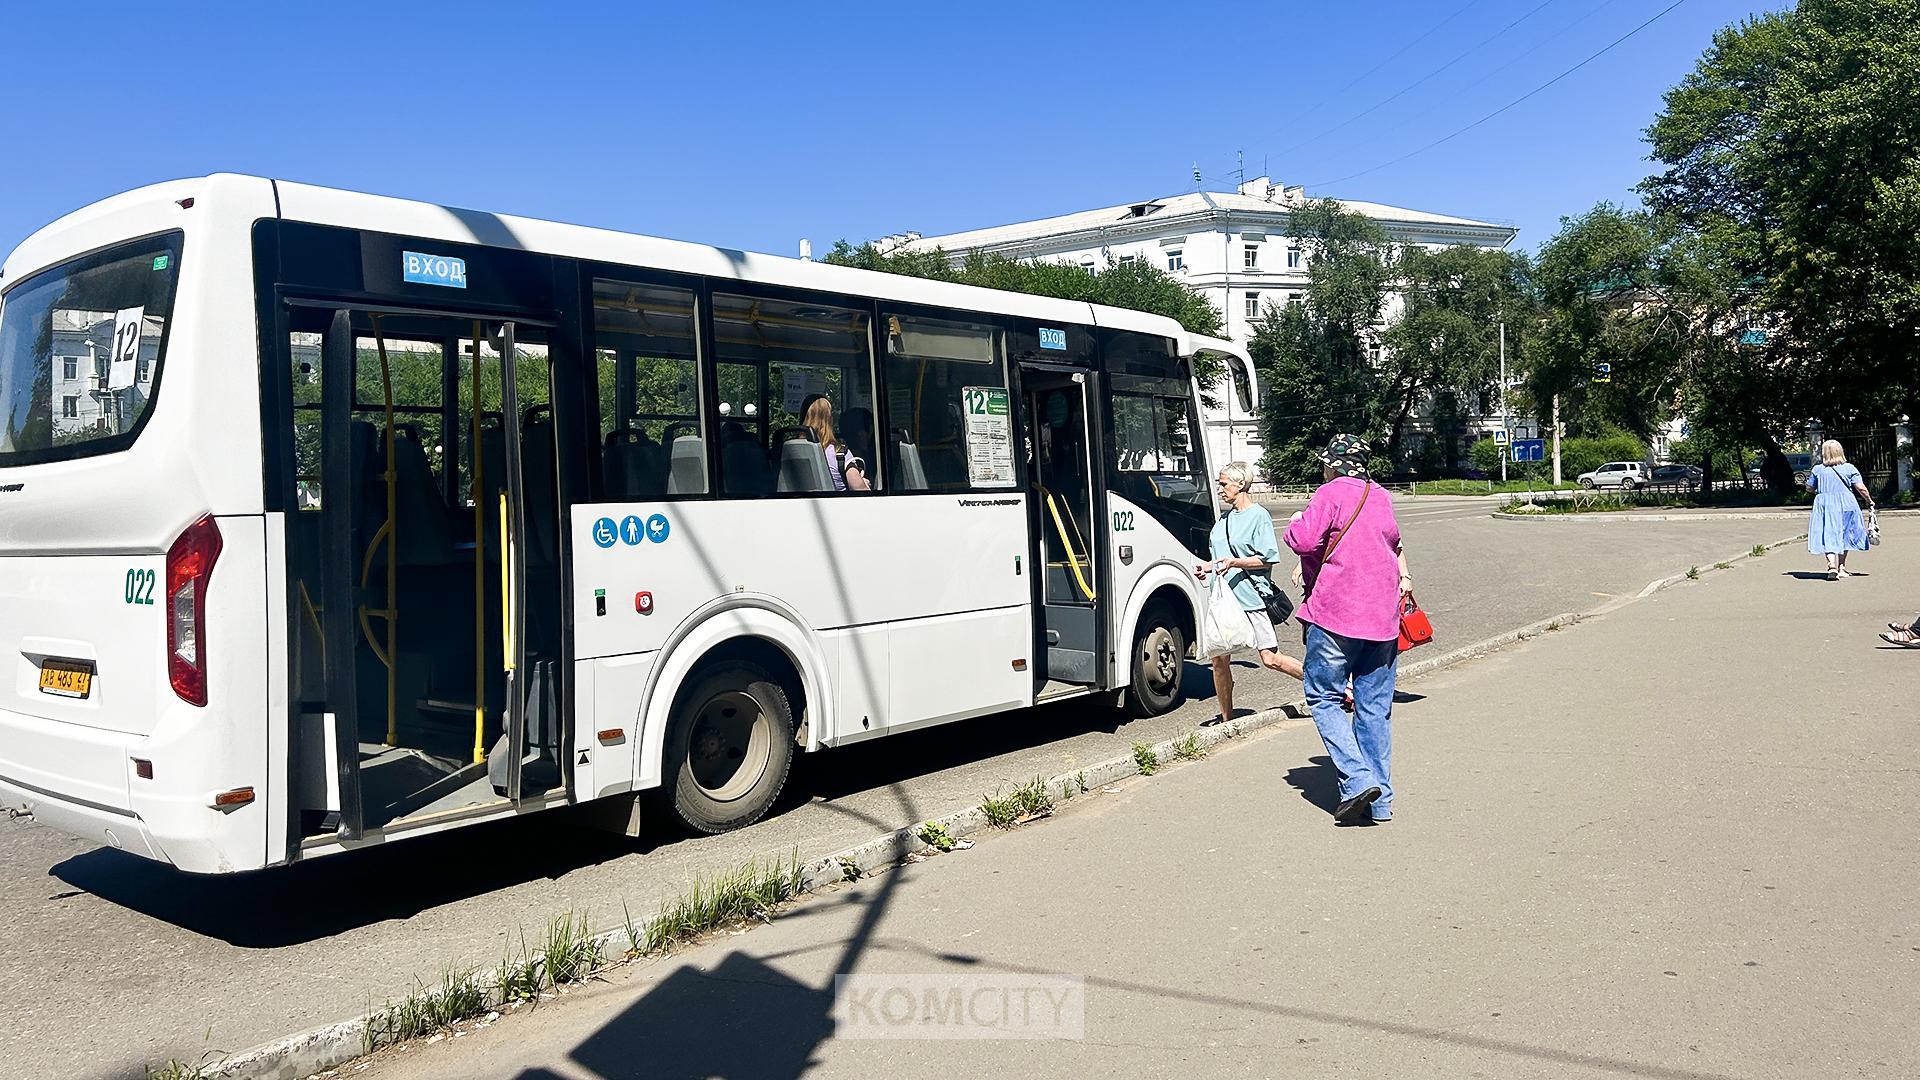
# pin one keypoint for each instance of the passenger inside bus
(847, 470)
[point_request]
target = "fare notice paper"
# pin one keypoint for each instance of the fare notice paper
(989, 436)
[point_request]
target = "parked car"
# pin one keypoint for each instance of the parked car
(1680, 476)
(1802, 467)
(1625, 475)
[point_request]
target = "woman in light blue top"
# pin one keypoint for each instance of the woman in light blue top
(1837, 525)
(1245, 526)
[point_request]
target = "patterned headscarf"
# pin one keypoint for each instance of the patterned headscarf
(1346, 455)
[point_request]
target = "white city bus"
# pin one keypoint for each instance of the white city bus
(291, 561)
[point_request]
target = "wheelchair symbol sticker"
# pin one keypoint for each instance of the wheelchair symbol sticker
(603, 532)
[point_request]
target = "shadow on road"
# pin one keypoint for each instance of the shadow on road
(313, 900)
(1316, 782)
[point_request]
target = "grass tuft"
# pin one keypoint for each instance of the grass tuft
(457, 997)
(1721, 565)
(1189, 748)
(849, 868)
(1146, 759)
(1000, 811)
(1080, 778)
(1693, 573)
(569, 952)
(1758, 550)
(749, 893)
(936, 836)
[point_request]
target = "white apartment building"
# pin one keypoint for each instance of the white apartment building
(1231, 247)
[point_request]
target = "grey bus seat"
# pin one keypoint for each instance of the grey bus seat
(633, 465)
(743, 462)
(541, 481)
(913, 475)
(803, 464)
(425, 537)
(687, 468)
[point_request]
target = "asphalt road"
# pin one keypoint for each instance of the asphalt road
(1701, 872)
(113, 962)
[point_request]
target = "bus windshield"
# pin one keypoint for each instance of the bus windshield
(80, 351)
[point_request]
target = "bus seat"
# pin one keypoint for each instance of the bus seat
(540, 485)
(913, 475)
(425, 538)
(687, 469)
(633, 465)
(803, 467)
(743, 469)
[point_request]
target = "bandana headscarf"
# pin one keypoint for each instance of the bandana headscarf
(1346, 455)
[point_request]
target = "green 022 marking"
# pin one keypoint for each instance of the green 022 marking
(139, 587)
(1123, 521)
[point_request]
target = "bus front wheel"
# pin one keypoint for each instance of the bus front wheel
(1159, 655)
(728, 749)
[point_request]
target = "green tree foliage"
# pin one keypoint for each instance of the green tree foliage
(1311, 356)
(1134, 285)
(1792, 155)
(1445, 347)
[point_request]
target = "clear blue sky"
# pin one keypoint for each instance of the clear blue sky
(753, 125)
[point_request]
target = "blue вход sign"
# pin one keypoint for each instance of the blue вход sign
(442, 270)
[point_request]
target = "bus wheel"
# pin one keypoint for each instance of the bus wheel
(1159, 654)
(729, 748)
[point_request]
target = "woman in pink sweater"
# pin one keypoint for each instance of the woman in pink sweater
(1356, 578)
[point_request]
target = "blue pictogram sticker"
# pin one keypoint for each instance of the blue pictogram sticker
(443, 270)
(631, 531)
(1053, 339)
(604, 533)
(657, 528)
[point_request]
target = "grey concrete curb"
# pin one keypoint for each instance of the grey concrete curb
(330, 1046)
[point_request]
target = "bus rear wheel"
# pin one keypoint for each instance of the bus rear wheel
(729, 748)
(1159, 655)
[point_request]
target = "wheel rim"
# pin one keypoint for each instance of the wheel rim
(1159, 660)
(730, 747)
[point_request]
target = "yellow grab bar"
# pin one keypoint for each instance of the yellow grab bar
(1072, 559)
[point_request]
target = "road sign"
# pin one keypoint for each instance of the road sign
(1500, 437)
(1529, 449)
(1603, 372)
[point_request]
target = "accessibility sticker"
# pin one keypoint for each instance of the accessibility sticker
(604, 532)
(630, 530)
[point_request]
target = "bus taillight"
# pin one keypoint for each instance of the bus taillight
(189, 563)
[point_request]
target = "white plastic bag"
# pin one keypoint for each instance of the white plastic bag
(1225, 626)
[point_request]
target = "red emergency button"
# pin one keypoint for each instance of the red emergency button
(643, 603)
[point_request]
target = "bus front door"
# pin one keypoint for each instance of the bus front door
(423, 567)
(1060, 437)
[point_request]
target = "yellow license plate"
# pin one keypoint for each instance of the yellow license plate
(65, 680)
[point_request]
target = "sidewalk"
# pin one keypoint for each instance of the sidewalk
(1673, 842)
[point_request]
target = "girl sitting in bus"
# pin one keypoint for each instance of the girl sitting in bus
(848, 472)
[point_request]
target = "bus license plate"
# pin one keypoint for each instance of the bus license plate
(65, 679)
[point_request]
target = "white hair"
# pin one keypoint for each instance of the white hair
(1239, 472)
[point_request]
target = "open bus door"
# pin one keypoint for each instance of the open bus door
(423, 563)
(1070, 532)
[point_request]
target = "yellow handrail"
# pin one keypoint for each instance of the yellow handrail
(1072, 559)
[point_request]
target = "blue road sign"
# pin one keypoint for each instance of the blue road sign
(443, 270)
(1529, 449)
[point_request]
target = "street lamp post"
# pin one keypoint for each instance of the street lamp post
(1506, 425)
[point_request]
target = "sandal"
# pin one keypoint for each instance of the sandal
(1905, 638)
(1901, 628)
(1833, 575)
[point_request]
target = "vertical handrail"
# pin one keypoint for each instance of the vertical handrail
(393, 532)
(479, 569)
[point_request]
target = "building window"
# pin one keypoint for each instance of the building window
(1373, 351)
(70, 406)
(1253, 304)
(1086, 263)
(1293, 257)
(1129, 260)
(1176, 260)
(70, 367)
(1293, 298)
(1250, 255)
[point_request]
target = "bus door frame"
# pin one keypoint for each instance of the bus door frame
(1035, 376)
(339, 581)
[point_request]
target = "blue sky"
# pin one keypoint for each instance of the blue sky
(752, 125)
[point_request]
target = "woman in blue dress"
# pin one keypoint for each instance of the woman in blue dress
(1837, 526)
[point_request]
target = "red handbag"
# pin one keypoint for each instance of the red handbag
(1415, 627)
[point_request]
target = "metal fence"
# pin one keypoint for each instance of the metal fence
(1872, 451)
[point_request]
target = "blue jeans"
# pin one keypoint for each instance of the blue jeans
(1361, 746)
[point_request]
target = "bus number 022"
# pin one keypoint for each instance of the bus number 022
(140, 587)
(1123, 521)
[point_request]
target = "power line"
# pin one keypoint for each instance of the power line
(1450, 136)
(1410, 87)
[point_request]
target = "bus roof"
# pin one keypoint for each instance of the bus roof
(348, 209)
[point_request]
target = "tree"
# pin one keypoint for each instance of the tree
(1792, 154)
(1311, 355)
(1133, 285)
(1445, 347)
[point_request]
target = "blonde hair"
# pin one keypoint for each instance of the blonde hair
(1239, 472)
(819, 420)
(1831, 453)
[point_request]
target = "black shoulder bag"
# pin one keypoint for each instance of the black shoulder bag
(1279, 604)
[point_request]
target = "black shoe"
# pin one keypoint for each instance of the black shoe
(1356, 808)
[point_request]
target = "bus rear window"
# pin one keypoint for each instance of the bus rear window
(80, 351)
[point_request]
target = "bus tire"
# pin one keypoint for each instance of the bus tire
(1157, 661)
(729, 748)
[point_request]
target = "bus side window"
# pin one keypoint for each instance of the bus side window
(651, 434)
(946, 386)
(777, 359)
